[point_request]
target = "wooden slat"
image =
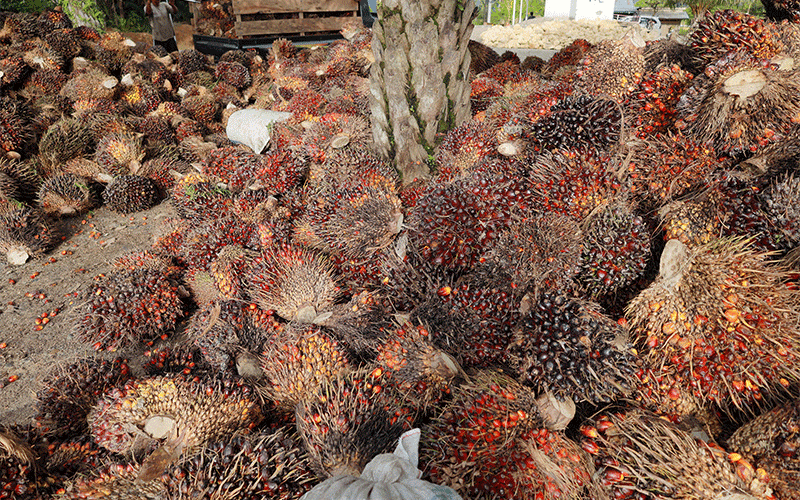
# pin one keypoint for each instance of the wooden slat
(281, 26)
(284, 6)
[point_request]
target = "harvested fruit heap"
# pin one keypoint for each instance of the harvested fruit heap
(313, 304)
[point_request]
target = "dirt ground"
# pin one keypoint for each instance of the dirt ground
(37, 298)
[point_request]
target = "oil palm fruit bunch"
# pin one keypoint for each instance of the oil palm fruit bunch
(15, 127)
(780, 202)
(616, 250)
(347, 421)
(223, 162)
(640, 455)
(579, 121)
(348, 166)
(770, 442)
(25, 232)
(573, 182)
(198, 197)
(120, 153)
(462, 148)
(229, 269)
(722, 319)
(173, 414)
(727, 30)
(778, 10)
(64, 140)
(650, 107)
(69, 392)
(114, 481)
(334, 131)
(66, 195)
(669, 166)
(130, 193)
(44, 84)
(125, 306)
(200, 104)
(540, 252)
(563, 62)
(18, 465)
(612, 68)
(297, 284)
(354, 223)
(569, 347)
(740, 104)
(266, 464)
(298, 360)
(14, 71)
(276, 172)
(202, 241)
(666, 52)
(491, 442)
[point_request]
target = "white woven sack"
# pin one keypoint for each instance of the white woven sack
(251, 127)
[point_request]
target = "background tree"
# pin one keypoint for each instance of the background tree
(419, 82)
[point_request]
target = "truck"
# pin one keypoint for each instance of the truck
(222, 25)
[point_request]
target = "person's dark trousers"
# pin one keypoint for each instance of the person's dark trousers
(366, 16)
(171, 45)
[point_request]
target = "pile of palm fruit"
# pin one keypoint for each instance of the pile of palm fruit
(594, 295)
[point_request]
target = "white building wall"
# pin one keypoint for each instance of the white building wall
(580, 9)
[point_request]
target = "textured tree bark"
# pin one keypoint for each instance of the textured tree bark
(419, 84)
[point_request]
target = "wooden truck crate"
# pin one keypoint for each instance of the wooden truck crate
(292, 17)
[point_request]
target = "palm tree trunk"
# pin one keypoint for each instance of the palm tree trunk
(419, 82)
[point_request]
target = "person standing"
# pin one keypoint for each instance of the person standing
(160, 15)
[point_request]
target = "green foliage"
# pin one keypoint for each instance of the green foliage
(502, 10)
(89, 7)
(33, 6)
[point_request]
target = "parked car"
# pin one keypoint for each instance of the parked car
(647, 22)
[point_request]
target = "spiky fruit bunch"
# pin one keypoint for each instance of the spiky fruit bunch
(186, 413)
(354, 223)
(125, 306)
(570, 348)
(332, 132)
(18, 27)
(66, 194)
(722, 319)
(156, 130)
(92, 83)
(69, 392)
(650, 107)
(576, 122)
(483, 92)
(462, 148)
(115, 481)
(64, 41)
(727, 30)
(740, 104)
(202, 241)
(64, 140)
(142, 97)
(412, 364)
(196, 196)
(18, 466)
(616, 250)
(16, 130)
(493, 425)
(297, 284)
(200, 104)
(640, 455)
(191, 60)
(233, 73)
(14, 71)
(130, 193)
(87, 33)
(779, 10)
(611, 68)
(348, 421)
(119, 153)
(770, 442)
(267, 464)
(781, 202)
(540, 252)
(25, 232)
(22, 179)
(42, 56)
(298, 360)
(305, 104)
(354, 166)
(573, 182)
(665, 52)
(567, 58)
(667, 167)
(225, 161)
(229, 269)
(692, 222)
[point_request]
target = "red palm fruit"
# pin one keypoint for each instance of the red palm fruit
(223, 162)
(483, 92)
(179, 414)
(268, 462)
(229, 269)
(15, 126)
(69, 392)
(331, 132)
(573, 182)
(93, 83)
(115, 481)
(493, 424)
(52, 20)
(297, 284)
(65, 195)
(145, 259)
(233, 73)
(25, 177)
(641, 455)
(142, 97)
(120, 153)
(722, 319)
(126, 306)
(463, 148)
(275, 173)
(196, 196)
(651, 107)
(571, 348)
(64, 41)
(725, 31)
(156, 130)
(203, 241)
(43, 56)
(668, 167)
(305, 104)
(18, 27)
(354, 166)
(191, 60)
(412, 364)
(181, 360)
(298, 360)
(25, 232)
(347, 421)
(611, 68)
(616, 250)
(665, 53)
(769, 443)
(14, 71)
(200, 104)
(565, 60)
(740, 104)
(127, 194)
(781, 202)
